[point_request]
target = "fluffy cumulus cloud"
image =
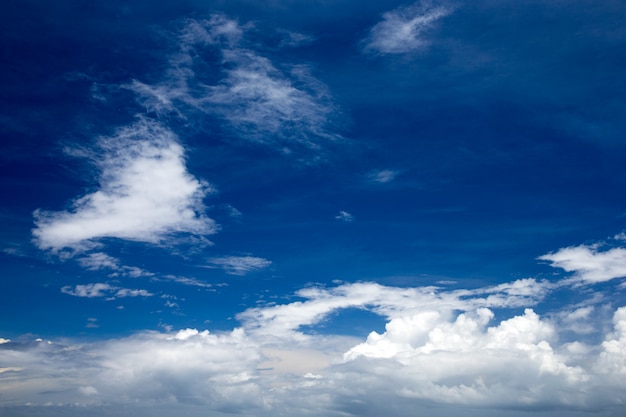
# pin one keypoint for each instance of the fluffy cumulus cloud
(144, 194)
(446, 350)
(404, 30)
(257, 100)
(240, 265)
(589, 263)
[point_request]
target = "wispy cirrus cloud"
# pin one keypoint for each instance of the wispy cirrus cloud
(382, 176)
(145, 194)
(283, 107)
(101, 289)
(189, 281)
(403, 30)
(240, 265)
(100, 260)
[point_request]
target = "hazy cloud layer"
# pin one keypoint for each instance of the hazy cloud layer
(144, 194)
(443, 348)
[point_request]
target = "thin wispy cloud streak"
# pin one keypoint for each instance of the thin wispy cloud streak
(104, 290)
(382, 176)
(404, 30)
(98, 261)
(240, 265)
(344, 216)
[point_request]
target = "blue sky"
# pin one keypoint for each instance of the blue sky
(313, 208)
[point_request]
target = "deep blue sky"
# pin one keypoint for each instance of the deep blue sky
(291, 176)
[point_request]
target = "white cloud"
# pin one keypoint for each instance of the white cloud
(283, 108)
(383, 176)
(344, 216)
(99, 260)
(144, 194)
(103, 290)
(240, 265)
(295, 39)
(589, 264)
(283, 321)
(447, 350)
(188, 281)
(613, 357)
(402, 30)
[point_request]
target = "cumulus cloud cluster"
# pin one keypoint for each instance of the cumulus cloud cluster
(445, 349)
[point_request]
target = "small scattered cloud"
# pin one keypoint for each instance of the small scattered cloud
(403, 30)
(295, 39)
(99, 260)
(98, 290)
(144, 194)
(233, 212)
(240, 265)
(188, 281)
(383, 176)
(588, 263)
(14, 251)
(344, 216)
